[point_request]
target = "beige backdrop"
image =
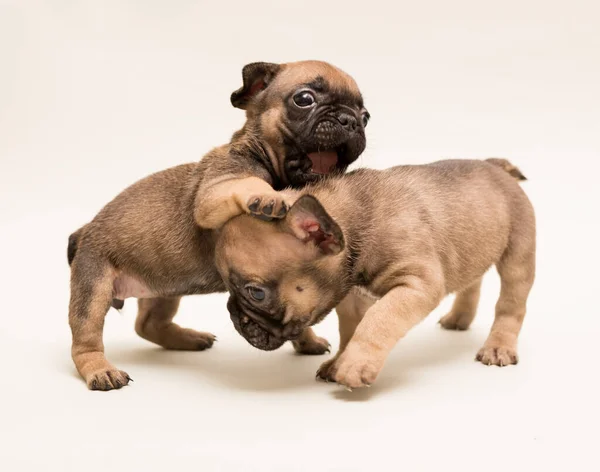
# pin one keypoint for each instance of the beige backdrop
(96, 94)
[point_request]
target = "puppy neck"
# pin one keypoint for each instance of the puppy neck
(246, 145)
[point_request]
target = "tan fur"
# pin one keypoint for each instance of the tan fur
(411, 235)
(229, 197)
(154, 323)
(155, 242)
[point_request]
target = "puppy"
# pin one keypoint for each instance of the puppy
(155, 240)
(384, 248)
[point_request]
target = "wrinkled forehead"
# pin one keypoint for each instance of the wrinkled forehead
(322, 74)
(257, 248)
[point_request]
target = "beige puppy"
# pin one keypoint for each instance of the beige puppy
(384, 248)
(155, 242)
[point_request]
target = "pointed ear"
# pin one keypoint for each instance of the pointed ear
(256, 76)
(309, 222)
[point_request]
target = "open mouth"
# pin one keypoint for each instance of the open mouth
(311, 163)
(325, 162)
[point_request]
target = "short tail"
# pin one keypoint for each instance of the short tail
(72, 246)
(508, 167)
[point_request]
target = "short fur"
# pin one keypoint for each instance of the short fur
(155, 241)
(384, 248)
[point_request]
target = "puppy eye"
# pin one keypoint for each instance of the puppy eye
(256, 293)
(304, 99)
(365, 118)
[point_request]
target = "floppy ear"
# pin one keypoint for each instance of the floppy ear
(256, 76)
(309, 222)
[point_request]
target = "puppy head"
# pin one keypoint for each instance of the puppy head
(282, 276)
(309, 114)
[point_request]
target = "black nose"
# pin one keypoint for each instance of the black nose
(347, 121)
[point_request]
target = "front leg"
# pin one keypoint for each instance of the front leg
(350, 312)
(383, 325)
(230, 196)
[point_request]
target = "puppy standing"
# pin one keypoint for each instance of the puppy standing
(154, 240)
(396, 243)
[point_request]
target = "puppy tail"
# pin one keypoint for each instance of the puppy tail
(72, 246)
(508, 167)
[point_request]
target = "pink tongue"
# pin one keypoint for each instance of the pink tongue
(323, 162)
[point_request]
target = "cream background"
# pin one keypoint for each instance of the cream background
(95, 95)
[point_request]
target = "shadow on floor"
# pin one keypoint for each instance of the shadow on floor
(284, 370)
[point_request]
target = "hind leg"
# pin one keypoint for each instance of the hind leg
(517, 271)
(464, 308)
(155, 323)
(91, 296)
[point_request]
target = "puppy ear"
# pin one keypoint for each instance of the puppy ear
(256, 76)
(309, 222)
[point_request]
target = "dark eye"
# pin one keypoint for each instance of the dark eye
(365, 118)
(304, 99)
(256, 293)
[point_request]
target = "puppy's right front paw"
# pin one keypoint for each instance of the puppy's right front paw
(267, 206)
(108, 380)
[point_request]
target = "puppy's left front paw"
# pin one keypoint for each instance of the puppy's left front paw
(351, 371)
(312, 347)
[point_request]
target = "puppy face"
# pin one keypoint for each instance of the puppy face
(310, 115)
(282, 276)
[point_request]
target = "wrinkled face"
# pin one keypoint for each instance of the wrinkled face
(312, 116)
(278, 283)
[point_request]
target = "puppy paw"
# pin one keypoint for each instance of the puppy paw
(324, 372)
(185, 339)
(312, 347)
(351, 371)
(267, 206)
(456, 321)
(108, 379)
(497, 355)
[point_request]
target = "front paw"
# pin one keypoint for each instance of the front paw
(267, 206)
(312, 347)
(324, 372)
(351, 370)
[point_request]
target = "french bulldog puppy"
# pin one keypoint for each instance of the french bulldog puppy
(384, 248)
(155, 241)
